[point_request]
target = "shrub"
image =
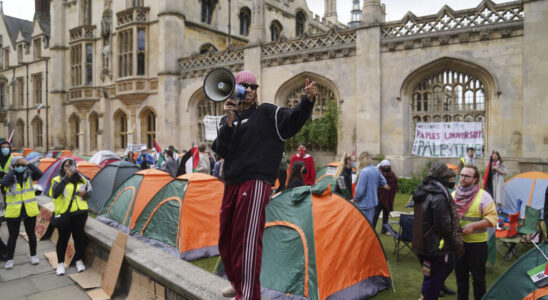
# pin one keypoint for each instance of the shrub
(408, 185)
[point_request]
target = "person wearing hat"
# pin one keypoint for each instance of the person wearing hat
(145, 160)
(21, 205)
(251, 141)
(386, 197)
(70, 188)
(5, 164)
(436, 229)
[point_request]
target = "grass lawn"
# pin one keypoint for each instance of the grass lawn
(406, 274)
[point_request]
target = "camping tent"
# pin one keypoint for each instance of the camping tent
(104, 157)
(33, 157)
(88, 169)
(44, 163)
(529, 187)
(180, 215)
(515, 283)
(51, 172)
(317, 245)
(108, 180)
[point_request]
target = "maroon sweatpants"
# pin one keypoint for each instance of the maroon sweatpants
(241, 235)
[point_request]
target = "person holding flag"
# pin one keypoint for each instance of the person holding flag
(493, 180)
(251, 140)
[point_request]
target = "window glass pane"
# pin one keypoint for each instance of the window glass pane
(141, 40)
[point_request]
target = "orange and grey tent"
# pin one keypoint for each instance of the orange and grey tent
(317, 245)
(88, 169)
(45, 163)
(180, 215)
(529, 187)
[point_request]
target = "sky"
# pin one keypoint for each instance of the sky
(396, 9)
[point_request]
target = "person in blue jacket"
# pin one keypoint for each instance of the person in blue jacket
(145, 160)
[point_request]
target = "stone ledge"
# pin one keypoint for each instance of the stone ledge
(181, 279)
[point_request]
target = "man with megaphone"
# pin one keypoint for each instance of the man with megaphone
(251, 140)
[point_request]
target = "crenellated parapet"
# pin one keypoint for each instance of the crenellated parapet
(487, 21)
(327, 46)
(199, 65)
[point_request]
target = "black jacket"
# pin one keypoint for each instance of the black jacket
(434, 219)
(253, 147)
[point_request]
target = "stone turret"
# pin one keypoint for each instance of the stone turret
(373, 12)
(356, 14)
(330, 13)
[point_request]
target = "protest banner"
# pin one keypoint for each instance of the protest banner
(211, 123)
(448, 139)
(135, 148)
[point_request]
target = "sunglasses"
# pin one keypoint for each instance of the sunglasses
(252, 86)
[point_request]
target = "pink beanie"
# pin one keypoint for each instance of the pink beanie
(245, 76)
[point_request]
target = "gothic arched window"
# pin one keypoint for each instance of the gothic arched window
(300, 20)
(74, 125)
(207, 48)
(37, 132)
(275, 30)
(148, 127)
(19, 137)
(449, 96)
(207, 7)
(120, 130)
(245, 21)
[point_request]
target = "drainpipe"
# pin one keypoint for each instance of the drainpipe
(47, 105)
(28, 127)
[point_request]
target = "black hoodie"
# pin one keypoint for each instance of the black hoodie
(434, 219)
(4, 158)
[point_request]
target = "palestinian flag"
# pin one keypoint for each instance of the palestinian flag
(161, 158)
(488, 178)
(192, 164)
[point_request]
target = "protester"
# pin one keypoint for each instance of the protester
(386, 197)
(204, 165)
(145, 160)
(310, 176)
(436, 229)
(5, 164)
(174, 151)
(69, 191)
(282, 175)
(170, 165)
(343, 176)
(212, 161)
(21, 205)
(130, 157)
(251, 141)
(369, 180)
(476, 210)
(296, 175)
(468, 159)
(494, 181)
(218, 169)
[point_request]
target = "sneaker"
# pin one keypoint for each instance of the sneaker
(229, 291)
(9, 264)
(61, 269)
(34, 260)
(80, 267)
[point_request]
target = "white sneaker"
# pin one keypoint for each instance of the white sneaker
(80, 267)
(229, 291)
(60, 269)
(9, 264)
(34, 260)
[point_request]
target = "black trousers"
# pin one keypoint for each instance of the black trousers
(76, 227)
(473, 261)
(14, 225)
(282, 178)
(385, 216)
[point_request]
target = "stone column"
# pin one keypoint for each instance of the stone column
(535, 76)
(252, 62)
(330, 12)
(373, 12)
(257, 34)
(83, 135)
(368, 90)
(132, 137)
(59, 76)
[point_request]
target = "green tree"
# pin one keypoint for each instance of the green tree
(321, 132)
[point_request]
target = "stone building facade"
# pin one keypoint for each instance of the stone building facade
(119, 72)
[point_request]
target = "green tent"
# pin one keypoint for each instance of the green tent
(108, 180)
(317, 245)
(516, 283)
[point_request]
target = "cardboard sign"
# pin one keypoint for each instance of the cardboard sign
(90, 278)
(52, 259)
(448, 139)
(69, 254)
(42, 220)
(112, 269)
(142, 288)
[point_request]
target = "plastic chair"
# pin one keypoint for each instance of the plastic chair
(404, 237)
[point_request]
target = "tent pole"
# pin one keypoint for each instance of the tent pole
(542, 252)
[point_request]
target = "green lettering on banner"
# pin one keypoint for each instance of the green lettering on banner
(427, 146)
(442, 149)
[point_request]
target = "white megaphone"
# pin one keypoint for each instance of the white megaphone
(220, 85)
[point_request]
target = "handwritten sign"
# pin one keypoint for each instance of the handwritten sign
(211, 123)
(42, 222)
(448, 139)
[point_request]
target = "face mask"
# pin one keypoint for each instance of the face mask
(5, 151)
(386, 169)
(450, 185)
(354, 164)
(20, 169)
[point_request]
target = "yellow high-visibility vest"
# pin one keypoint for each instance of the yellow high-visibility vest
(473, 215)
(18, 195)
(62, 202)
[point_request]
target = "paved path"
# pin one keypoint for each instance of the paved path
(39, 282)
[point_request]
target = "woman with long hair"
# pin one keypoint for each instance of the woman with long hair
(296, 178)
(343, 176)
(494, 184)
